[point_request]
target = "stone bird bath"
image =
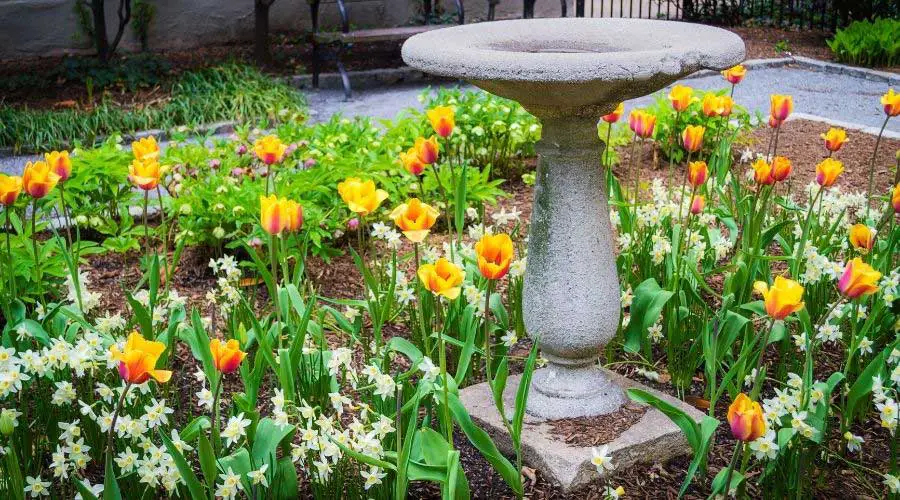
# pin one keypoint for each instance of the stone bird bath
(569, 73)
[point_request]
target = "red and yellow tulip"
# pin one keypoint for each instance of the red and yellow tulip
(858, 279)
(38, 179)
(269, 149)
(294, 213)
(697, 204)
(411, 162)
(615, 115)
(735, 74)
(145, 149)
(642, 123)
(137, 362)
(827, 171)
(494, 253)
(227, 356)
(427, 149)
(144, 174)
(415, 219)
(273, 214)
(891, 103)
(698, 172)
(781, 106)
(680, 96)
(60, 163)
(895, 198)
(781, 168)
(443, 120)
(862, 237)
(762, 172)
(692, 138)
(361, 197)
(834, 139)
(782, 299)
(10, 187)
(442, 278)
(715, 105)
(745, 417)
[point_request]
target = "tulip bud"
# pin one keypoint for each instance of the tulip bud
(697, 204)
(692, 138)
(745, 417)
(697, 173)
(781, 168)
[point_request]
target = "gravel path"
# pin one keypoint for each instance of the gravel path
(836, 97)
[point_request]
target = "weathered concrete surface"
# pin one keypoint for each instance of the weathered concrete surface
(653, 439)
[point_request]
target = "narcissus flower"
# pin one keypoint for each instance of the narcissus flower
(443, 120)
(137, 362)
(294, 213)
(10, 187)
(781, 106)
(680, 97)
(642, 123)
(415, 219)
(735, 74)
(615, 115)
(784, 297)
(495, 253)
(697, 204)
(745, 417)
(361, 197)
(697, 173)
(834, 139)
(227, 356)
(60, 164)
(827, 171)
(781, 168)
(858, 279)
(862, 237)
(895, 198)
(145, 149)
(269, 149)
(762, 172)
(38, 179)
(427, 149)
(273, 214)
(692, 137)
(891, 103)
(442, 278)
(411, 162)
(144, 174)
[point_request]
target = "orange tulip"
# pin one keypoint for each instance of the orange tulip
(411, 162)
(442, 120)
(642, 123)
(834, 139)
(137, 363)
(735, 74)
(10, 187)
(442, 278)
(763, 172)
(361, 196)
(415, 219)
(269, 149)
(726, 105)
(697, 204)
(494, 253)
(891, 103)
(781, 106)
(773, 122)
(714, 105)
(273, 214)
(294, 212)
(692, 138)
(680, 96)
(144, 174)
(145, 149)
(827, 171)
(227, 356)
(745, 417)
(615, 115)
(697, 173)
(38, 179)
(862, 237)
(781, 168)
(60, 164)
(858, 279)
(895, 198)
(782, 298)
(427, 149)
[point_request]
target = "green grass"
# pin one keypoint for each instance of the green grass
(228, 92)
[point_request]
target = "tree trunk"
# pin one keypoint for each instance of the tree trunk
(100, 37)
(261, 32)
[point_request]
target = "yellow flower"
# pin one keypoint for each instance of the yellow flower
(494, 253)
(411, 162)
(862, 237)
(735, 74)
(714, 105)
(692, 137)
(10, 187)
(137, 363)
(642, 123)
(781, 106)
(427, 149)
(273, 214)
(745, 417)
(697, 204)
(227, 356)
(294, 213)
(269, 149)
(895, 198)
(762, 172)
(858, 279)
(145, 149)
(891, 103)
(827, 171)
(442, 278)
(60, 164)
(38, 179)
(781, 168)
(361, 196)
(784, 297)
(834, 139)
(415, 219)
(144, 174)
(697, 173)
(442, 120)
(680, 96)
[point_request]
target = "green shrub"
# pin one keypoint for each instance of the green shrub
(868, 43)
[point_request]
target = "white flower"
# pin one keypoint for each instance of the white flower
(258, 476)
(36, 487)
(230, 485)
(865, 346)
(854, 442)
(764, 446)
(385, 386)
(235, 429)
(517, 267)
(503, 217)
(509, 338)
(95, 489)
(205, 399)
(611, 493)
(430, 372)
(351, 313)
(892, 482)
(372, 477)
(655, 333)
(601, 460)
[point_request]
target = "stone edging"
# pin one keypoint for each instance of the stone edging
(892, 79)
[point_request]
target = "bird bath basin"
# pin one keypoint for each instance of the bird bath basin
(569, 73)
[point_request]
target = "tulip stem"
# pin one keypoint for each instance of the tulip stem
(757, 380)
(12, 275)
(487, 333)
(115, 417)
(217, 444)
(872, 166)
(803, 237)
(738, 446)
(34, 247)
(65, 211)
(165, 237)
(274, 264)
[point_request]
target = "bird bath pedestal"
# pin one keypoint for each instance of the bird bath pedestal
(569, 73)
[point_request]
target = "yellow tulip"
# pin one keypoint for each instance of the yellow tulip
(858, 279)
(273, 214)
(38, 179)
(784, 297)
(692, 138)
(427, 149)
(697, 173)
(745, 417)
(735, 74)
(781, 106)
(680, 97)
(442, 120)
(60, 164)
(827, 171)
(137, 363)
(10, 187)
(294, 212)
(442, 278)
(834, 139)
(891, 103)
(781, 168)
(895, 198)
(415, 219)
(269, 149)
(762, 172)
(227, 356)
(642, 123)
(145, 149)
(361, 196)
(494, 253)
(144, 174)
(411, 162)
(862, 237)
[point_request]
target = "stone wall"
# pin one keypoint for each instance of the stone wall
(30, 28)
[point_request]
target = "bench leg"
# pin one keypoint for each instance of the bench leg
(345, 79)
(316, 65)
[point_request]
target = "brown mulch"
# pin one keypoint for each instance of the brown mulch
(598, 430)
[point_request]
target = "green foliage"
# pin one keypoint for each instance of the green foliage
(868, 43)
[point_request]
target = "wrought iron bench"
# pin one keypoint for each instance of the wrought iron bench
(341, 41)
